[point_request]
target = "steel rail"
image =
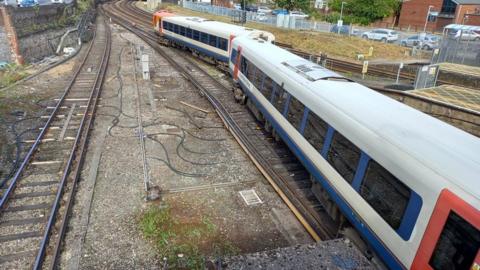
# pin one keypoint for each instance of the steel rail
(80, 143)
(40, 136)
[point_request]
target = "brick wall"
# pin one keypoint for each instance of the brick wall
(414, 13)
(463, 10)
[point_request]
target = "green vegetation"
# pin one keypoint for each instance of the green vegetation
(362, 12)
(11, 74)
(293, 4)
(183, 241)
(84, 5)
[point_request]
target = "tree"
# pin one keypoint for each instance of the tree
(293, 4)
(365, 11)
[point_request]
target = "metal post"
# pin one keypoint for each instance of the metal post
(426, 19)
(398, 73)
(341, 17)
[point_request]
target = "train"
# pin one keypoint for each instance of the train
(210, 39)
(407, 182)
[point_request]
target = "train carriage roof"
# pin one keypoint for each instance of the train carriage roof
(447, 150)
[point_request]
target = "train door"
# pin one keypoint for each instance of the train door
(452, 238)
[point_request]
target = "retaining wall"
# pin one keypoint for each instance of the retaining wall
(35, 31)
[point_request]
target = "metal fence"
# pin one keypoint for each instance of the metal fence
(461, 50)
(281, 21)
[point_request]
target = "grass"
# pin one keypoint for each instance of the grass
(11, 74)
(183, 241)
(315, 42)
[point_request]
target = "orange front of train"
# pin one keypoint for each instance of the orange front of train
(157, 19)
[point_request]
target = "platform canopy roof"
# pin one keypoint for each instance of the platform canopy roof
(467, 2)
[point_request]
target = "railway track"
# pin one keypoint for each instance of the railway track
(286, 174)
(35, 203)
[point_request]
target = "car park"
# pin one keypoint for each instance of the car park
(471, 35)
(344, 29)
(384, 35)
(261, 17)
(264, 9)
(298, 14)
(280, 12)
(251, 8)
(423, 41)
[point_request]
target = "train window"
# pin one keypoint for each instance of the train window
(233, 56)
(182, 30)
(212, 40)
(165, 25)
(223, 44)
(189, 32)
(196, 35)
(175, 28)
(251, 71)
(279, 98)
(243, 66)
(295, 112)
(257, 81)
(315, 131)
(457, 246)
(266, 89)
(385, 193)
(343, 156)
(204, 37)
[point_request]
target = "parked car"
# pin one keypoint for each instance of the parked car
(344, 29)
(237, 6)
(280, 12)
(251, 8)
(472, 35)
(12, 3)
(424, 41)
(298, 14)
(264, 9)
(384, 35)
(261, 17)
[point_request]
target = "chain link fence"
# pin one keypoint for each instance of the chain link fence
(281, 21)
(463, 49)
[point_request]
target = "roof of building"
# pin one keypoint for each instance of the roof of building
(467, 2)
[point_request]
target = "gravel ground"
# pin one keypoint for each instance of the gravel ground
(21, 107)
(332, 255)
(195, 163)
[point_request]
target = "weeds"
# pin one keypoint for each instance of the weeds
(11, 74)
(183, 243)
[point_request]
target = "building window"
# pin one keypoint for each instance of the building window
(448, 7)
(343, 156)
(385, 193)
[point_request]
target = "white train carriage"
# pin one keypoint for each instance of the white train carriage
(409, 183)
(207, 37)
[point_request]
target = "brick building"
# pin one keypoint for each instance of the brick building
(413, 13)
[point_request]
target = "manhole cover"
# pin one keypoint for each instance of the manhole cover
(250, 197)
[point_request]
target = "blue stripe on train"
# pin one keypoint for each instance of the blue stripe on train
(205, 51)
(387, 257)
